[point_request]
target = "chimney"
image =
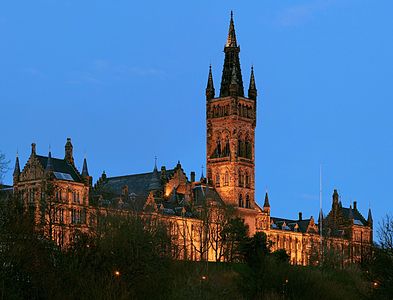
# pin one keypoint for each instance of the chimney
(192, 176)
(355, 205)
(300, 216)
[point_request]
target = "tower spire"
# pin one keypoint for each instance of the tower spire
(266, 204)
(369, 217)
(85, 171)
(252, 90)
(49, 165)
(231, 51)
(210, 86)
(155, 183)
(231, 39)
(17, 168)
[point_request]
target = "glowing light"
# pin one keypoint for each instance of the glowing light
(204, 277)
(117, 273)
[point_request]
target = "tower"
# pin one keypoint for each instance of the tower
(230, 125)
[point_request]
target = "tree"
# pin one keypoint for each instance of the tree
(3, 166)
(234, 236)
(381, 267)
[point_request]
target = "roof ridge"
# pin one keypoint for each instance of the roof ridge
(138, 174)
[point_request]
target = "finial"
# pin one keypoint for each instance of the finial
(231, 14)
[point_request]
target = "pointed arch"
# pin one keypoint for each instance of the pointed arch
(241, 203)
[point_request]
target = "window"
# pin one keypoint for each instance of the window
(247, 201)
(226, 179)
(31, 196)
(241, 204)
(240, 178)
(75, 216)
(218, 180)
(247, 180)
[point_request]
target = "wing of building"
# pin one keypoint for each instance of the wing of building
(183, 201)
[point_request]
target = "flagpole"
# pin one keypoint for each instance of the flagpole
(320, 210)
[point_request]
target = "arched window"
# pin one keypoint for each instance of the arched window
(226, 178)
(218, 180)
(248, 201)
(240, 178)
(241, 204)
(226, 148)
(247, 149)
(247, 180)
(218, 148)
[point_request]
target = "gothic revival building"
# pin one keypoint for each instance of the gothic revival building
(63, 200)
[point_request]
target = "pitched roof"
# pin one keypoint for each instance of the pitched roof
(357, 216)
(136, 183)
(203, 192)
(303, 224)
(61, 166)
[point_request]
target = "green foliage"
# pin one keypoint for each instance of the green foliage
(281, 256)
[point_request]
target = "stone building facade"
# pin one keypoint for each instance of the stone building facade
(64, 201)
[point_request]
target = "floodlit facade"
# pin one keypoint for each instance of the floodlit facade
(64, 201)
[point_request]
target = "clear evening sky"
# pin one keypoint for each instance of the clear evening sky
(126, 81)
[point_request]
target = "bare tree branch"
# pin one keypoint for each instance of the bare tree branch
(3, 166)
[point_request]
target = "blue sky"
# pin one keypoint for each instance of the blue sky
(125, 80)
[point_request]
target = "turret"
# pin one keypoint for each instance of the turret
(252, 90)
(266, 204)
(335, 199)
(370, 218)
(16, 173)
(49, 164)
(350, 214)
(69, 152)
(85, 173)
(210, 92)
(155, 182)
(33, 149)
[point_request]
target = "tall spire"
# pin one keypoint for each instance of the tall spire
(85, 171)
(210, 86)
(155, 182)
(369, 217)
(17, 168)
(266, 204)
(49, 165)
(252, 90)
(231, 51)
(231, 40)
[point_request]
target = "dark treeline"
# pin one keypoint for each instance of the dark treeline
(131, 258)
